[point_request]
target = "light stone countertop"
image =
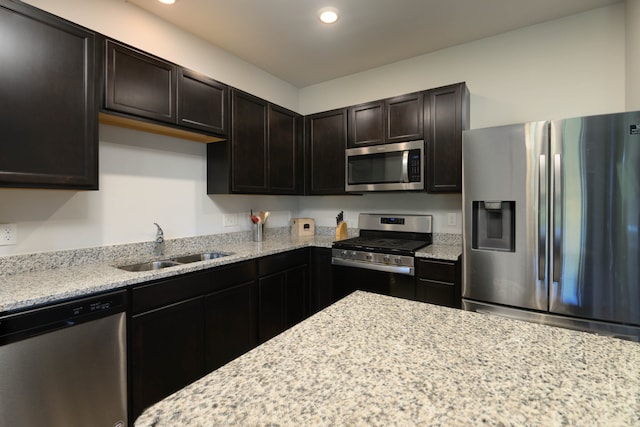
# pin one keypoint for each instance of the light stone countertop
(376, 360)
(31, 280)
(24, 290)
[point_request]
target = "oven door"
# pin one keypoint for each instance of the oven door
(347, 279)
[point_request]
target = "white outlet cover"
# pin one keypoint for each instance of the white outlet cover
(8, 234)
(229, 220)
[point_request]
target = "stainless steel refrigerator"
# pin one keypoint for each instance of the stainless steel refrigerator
(551, 214)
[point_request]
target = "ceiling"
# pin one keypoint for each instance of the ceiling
(286, 39)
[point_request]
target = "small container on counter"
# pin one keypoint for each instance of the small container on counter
(258, 232)
(301, 227)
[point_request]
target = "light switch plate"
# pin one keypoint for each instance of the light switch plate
(451, 218)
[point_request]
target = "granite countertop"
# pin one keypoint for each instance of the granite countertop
(376, 360)
(23, 290)
(36, 279)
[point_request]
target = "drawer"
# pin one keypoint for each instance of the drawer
(436, 293)
(281, 262)
(442, 271)
(179, 288)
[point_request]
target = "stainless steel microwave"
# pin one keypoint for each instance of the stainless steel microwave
(388, 167)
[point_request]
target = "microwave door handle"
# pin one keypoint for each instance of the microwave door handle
(405, 166)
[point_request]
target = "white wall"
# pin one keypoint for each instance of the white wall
(633, 54)
(566, 67)
(571, 66)
(144, 178)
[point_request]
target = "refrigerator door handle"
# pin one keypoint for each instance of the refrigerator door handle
(542, 216)
(557, 218)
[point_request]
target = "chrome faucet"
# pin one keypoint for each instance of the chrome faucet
(158, 248)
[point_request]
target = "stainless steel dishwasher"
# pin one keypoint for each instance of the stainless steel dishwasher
(65, 364)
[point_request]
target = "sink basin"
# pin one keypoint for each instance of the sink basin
(147, 266)
(186, 259)
(200, 257)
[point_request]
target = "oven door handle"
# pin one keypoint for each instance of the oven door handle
(398, 269)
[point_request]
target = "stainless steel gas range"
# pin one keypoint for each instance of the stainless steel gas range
(382, 258)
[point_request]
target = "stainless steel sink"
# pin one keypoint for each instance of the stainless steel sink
(200, 257)
(172, 262)
(147, 266)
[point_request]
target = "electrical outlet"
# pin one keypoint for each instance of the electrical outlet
(8, 234)
(451, 218)
(229, 220)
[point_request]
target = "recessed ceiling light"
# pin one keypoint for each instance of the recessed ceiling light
(167, 1)
(328, 15)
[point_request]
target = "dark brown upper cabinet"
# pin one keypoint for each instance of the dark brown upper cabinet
(446, 116)
(202, 102)
(286, 161)
(366, 124)
(161, 96)
(385, 121)
(326, 142)
(249, 138)
(48, 102)
(403, 117)
(140, 84)
(264, 154)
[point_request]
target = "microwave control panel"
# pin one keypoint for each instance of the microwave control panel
(414, 166)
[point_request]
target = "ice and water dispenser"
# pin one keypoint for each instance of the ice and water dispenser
(494, 225)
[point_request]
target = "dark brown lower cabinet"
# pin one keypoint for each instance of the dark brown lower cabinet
(282, 292)
(438, 282)
(271, 306)
(186, 326)
(167, 353)
(320, 280)
(230, 324)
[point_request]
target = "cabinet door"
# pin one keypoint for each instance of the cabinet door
(140, 84)
(285, 151)
(48, 102)
(446, 116)
(271, 305)
(321, 280)
(326, 139)
(230, 324)
(248, 143)
(296, 295)
(367, 124)
(202, 102)
(167, 352)
(404, 115)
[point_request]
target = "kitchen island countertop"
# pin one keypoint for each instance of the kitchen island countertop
(375, 360)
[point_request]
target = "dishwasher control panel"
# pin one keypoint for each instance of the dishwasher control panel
(24, 324)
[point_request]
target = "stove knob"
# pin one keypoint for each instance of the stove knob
(398, 260)
(354, 254)
(343, 254)
(386, 259)
(369, 257)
